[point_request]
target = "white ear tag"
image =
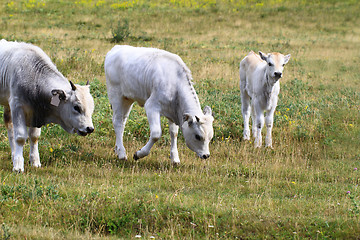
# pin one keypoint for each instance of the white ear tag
(55, 100)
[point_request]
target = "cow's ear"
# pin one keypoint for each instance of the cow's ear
(72, 86)
(60, 93)
(263, 56)
(207, 111)
(287, 58)
(188, 118)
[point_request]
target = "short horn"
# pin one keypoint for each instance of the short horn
(87, 83)
(72, 86)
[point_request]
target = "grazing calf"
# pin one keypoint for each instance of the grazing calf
(161, 83)
(259, 82)
(34, 93)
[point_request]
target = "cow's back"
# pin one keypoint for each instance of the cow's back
(136, 73)
(14, 52)
(27, 73)
(252, 68)
(24, 61)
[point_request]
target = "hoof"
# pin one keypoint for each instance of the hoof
(136, 157)
(18, 170)
(36, 165)
(175, 164)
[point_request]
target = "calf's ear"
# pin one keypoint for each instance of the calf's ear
(60, 93)
(57, 96)
(263, 56)
(287, 58)
(188, 118)
(207, 110)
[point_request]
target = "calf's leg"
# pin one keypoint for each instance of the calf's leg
(10, 130)
(34, 134)
(269, 120)
(121, 109)
(153, 115)
(246, 111)
(174, 154)
(259, 123)
(253, 117)
(20, 135)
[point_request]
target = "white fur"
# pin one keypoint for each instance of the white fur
(259, 82)
(161, 82)
(28, 82)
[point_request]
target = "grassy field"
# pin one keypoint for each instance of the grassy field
(306, 187)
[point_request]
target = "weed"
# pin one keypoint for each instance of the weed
(355, 210)
(6, 232)
(121, 31)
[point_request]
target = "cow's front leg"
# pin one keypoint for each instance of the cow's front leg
(259, 124)
(155, 131)
(174, 154)
(34, 134)
(269, 120)
(20, 136)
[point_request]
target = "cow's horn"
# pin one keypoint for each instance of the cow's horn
(87, 83)
(72, 86)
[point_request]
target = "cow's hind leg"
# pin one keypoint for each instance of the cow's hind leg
(153, 115)
(246, 111)
(20, 134)
(121, 109)
(174, 155)
(34, 134)
(10, 130)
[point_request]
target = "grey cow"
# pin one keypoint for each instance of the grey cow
(34, 93)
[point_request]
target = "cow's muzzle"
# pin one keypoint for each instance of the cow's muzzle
(204, 156)
(277, 75)
(84, 133)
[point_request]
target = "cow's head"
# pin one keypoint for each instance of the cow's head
(198, 132)
(75, 108)
(275, 64)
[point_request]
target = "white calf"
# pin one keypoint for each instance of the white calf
(259, 83)
(161, 82)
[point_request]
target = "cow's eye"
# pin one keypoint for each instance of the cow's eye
(77, 108)
(270, 64)
(197, 137)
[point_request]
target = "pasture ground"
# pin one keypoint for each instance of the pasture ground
(306, 187)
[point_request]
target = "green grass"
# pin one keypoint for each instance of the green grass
(306, 187)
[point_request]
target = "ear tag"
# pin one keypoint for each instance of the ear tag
(55, 100)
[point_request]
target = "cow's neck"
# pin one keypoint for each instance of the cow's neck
(43, 111)
(187, 102)
(268, 87)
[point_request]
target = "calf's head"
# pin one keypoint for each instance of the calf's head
(198, 132)
(75, 107)
(275, 64)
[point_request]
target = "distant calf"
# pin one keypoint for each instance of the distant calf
(259, 82)
(34, 93)
(161, 83)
